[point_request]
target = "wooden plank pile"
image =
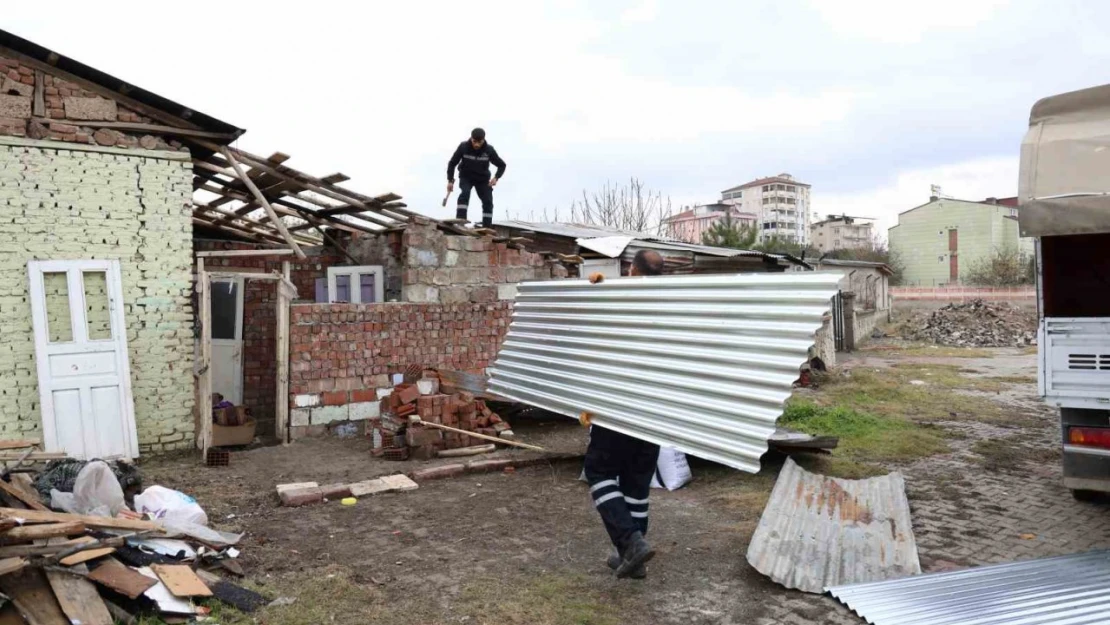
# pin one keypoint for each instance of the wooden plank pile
(59, 569)
(447, 421)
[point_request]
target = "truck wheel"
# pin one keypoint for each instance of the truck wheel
(1087, 495)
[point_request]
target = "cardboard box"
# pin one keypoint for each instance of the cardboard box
(234, 435)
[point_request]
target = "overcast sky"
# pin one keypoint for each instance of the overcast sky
(868, 101)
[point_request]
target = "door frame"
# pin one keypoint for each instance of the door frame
(75, 270)
(240, 286)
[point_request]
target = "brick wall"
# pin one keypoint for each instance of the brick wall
(341, 354)
(65, 107)
(63, 202)
(260, 316)
(449, 269)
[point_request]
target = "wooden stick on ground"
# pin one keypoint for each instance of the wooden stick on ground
(494, 439)
(50, 530)
(99, 522)
(23, 497)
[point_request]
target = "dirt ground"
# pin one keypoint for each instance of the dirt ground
(527, 547)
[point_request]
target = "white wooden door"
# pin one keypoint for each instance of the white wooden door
(227, 338)
(81, 357)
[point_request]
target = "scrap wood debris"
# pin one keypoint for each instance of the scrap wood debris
(975, 324)
(101, 561)
(397, 437)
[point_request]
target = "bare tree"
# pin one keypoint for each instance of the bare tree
(628, 207)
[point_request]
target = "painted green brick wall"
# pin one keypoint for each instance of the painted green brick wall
(921, 238)
(59, 202)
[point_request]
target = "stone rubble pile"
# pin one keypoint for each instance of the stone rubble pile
(975, 324)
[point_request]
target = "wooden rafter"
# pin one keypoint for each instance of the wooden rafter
(278, 223)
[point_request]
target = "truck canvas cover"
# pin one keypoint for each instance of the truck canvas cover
(1064, 180)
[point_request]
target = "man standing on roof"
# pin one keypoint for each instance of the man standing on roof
(473, 158)
(619, 469)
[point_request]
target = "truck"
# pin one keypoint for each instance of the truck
(1064, 204)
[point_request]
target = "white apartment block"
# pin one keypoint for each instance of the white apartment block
(781, 202)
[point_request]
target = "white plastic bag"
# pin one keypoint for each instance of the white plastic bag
(672, 471)
(168, 505)
(96, 492)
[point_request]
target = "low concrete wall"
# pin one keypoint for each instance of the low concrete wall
(865, 322)
(825, 344)
(963, 293)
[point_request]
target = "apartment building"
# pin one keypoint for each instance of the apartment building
(839, 232)
(781, 203)
(691, 225)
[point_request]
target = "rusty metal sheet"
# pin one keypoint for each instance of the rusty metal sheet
(819, 531)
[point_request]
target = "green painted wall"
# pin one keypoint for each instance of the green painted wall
(65, 202)
(921, 238)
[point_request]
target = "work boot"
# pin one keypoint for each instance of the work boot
(635, 556)
(614, 562)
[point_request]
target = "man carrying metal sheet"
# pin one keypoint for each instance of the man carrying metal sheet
(619, 470)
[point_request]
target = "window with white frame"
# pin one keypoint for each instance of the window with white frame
(354, 285)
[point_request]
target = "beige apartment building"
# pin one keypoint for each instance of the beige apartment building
(839, 232)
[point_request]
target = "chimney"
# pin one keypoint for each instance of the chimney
(933, 198)
(992, 200)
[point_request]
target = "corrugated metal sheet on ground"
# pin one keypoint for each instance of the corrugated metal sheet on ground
(1066, 590)
(819, 531)
(699, 363)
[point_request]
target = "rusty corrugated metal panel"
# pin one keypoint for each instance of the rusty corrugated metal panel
(1066, 590)
(819, 531)
(699, 363)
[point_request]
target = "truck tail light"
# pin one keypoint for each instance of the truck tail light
(1089, 437)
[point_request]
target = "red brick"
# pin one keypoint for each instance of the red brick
(334, 398)
(436, 473)
(336, 491)
(302, 496)
(407, 393)
(363, 395)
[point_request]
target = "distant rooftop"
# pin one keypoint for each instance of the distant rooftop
(783, 178)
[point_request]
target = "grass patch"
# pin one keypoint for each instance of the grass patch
(864, 436)
(546, 599)
(889, 392)
(1016, 379)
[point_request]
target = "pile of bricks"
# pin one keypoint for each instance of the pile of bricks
(395, 438)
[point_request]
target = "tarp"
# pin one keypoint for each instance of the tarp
(1065, 159)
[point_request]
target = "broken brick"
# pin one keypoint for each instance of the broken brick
(407, 393)
(302, 496)
(336, 491)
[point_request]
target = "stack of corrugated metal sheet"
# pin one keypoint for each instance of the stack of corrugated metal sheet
(819, 531)
(1067, 590)
(699, 363)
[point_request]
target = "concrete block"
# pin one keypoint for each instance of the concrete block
(300, 416)
(329, 414)
(506, 291)
(454, 295)
(451, 258)
(421, 294)
(364, 410)
(15, 106)
(14, 87)
(306, 401)
(383, 485)
(417, 257)
(93, 109)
